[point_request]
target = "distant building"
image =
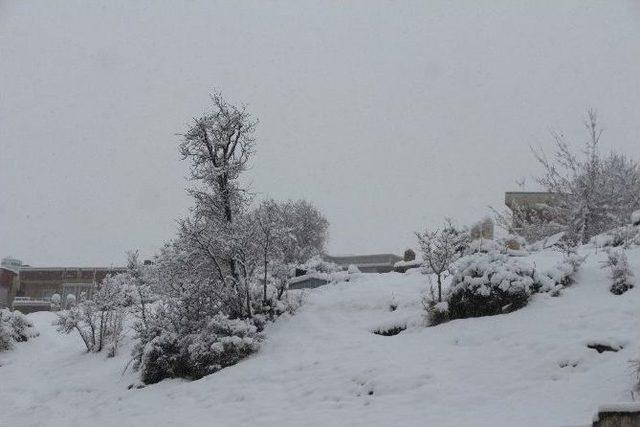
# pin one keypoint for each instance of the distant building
(32, 287)
(377, 263)
(529, 205)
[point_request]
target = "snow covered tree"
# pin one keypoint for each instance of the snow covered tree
(271, 236)
(292, 233)
(440, 249)
(308, 230)
(140, 291)
(221, 267)
(594, 193)
(219, 146)
(212, 240)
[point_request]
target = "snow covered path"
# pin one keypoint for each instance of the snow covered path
(324, 366)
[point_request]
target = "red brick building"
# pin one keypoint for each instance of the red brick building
(39, 284)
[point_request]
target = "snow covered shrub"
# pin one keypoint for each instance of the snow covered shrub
(14, 327)
(560, 275)
(437, 312)
(621, 275)
(513, 242)
(55, 302)
(625, 236)
(5, 338)
(21, 327)
(220, 343)
(97, 320)
(635, 218)
(488, 284)
(71, 300)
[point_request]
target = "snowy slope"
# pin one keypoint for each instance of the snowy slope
(324, 366)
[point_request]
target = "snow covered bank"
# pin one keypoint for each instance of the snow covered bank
(325, 366)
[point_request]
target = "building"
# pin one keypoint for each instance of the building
(377, 263)
(529, 205)
(29, 288)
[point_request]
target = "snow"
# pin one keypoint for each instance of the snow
(324, 366)
(635, 218)
(413, 263)
(328, 277)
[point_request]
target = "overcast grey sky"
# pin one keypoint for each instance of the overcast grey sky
(386, 115)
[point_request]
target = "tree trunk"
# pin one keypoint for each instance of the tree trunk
(223, 187)
(439, 288)
(264, 289)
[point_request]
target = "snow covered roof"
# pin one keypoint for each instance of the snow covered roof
(373, 260)
(319, 276)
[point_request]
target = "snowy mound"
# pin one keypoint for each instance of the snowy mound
(357, 353)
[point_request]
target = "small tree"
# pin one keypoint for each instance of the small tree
(140, 282)
(441, 248)
(270, 237)
(99, 320)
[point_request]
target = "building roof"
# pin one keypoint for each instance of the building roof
(528, 199)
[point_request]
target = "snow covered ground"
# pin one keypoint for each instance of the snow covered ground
(324, 366)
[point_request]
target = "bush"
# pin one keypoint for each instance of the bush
(14, 327)
(99, 320)
(625, 237)
(222, 342)
(559, 276)
(437, 313)
(621, 276)
(490, 283)
(486, 284)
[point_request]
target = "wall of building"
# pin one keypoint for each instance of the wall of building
(6, 283)
(42, 283)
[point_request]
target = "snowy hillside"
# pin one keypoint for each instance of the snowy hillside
(324, 366)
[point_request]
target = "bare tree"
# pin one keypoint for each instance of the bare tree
(271, 234)
(594, 193)
(288, 234)
(440, 249)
